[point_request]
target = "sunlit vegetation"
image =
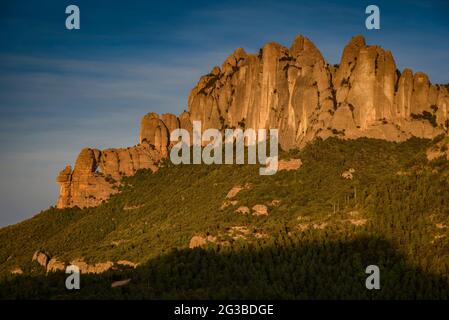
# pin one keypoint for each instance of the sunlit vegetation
(315, 242)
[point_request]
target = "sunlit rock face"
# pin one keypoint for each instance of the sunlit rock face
(295, 90)
(97, 173)
(291, 89)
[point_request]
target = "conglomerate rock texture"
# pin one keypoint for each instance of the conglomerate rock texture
(291, 89)
(97, 173)
(298, 92)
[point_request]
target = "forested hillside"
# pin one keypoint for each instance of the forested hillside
(305, 233)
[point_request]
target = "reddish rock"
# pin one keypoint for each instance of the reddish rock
(292, 89)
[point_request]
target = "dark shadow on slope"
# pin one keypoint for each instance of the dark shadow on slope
(283, 269)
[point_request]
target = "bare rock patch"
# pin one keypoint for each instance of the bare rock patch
(260, 210)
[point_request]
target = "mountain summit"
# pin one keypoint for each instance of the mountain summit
(292, 89)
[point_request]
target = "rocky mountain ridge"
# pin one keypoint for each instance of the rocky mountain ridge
(293, 89)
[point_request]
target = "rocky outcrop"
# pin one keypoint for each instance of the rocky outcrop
(291, 89)
(236, 189)
(126, 263)
(439, 149)
(41, 258)
(228, 203)
(274, 203)
(242, 210)
(97, 173)
(348, 174)
(55, 265)
(50, 264)
(260, 210)
(199, 241)
(296, 90)
(154, 131)
(97, 268)
(289, 165)
(17, 271)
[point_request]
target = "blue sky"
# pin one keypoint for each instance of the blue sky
(62, 90)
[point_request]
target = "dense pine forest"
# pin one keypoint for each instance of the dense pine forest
(351, 204)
